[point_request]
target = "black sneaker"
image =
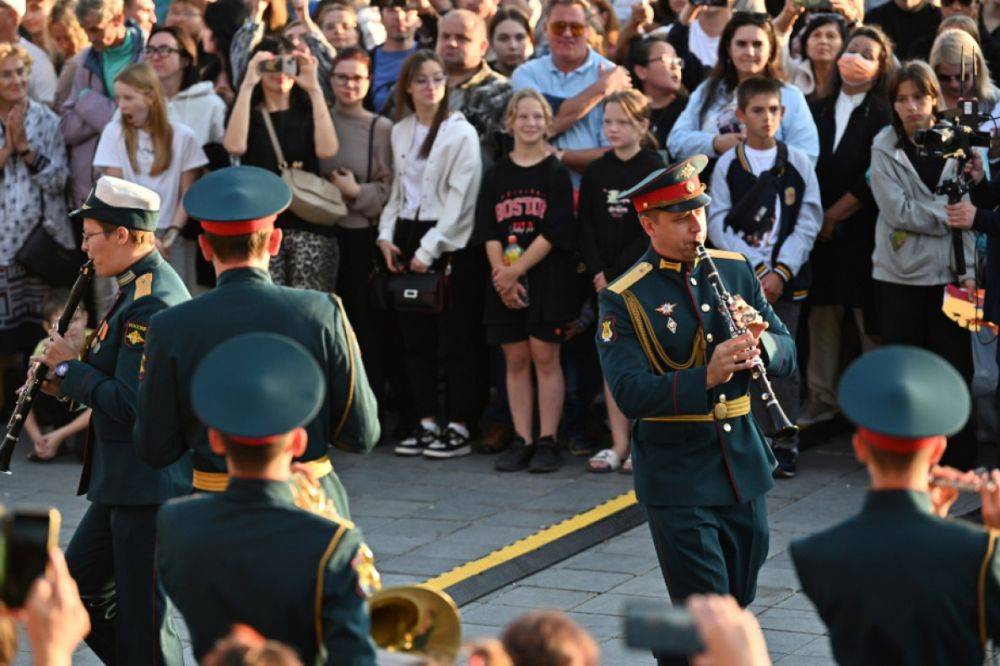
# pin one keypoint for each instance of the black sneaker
(579, 445)
(451, 444)
(416, 442)
(786, 463)
(516, 457)
(547, 458)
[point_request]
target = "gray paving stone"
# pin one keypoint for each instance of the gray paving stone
(601, 627)
(572, 579)
(819, 647)
(777, 577)
(648, 585)
(607, 604)
(475, 631)
(803, 660)
(792, 620)
(786, 642)
(494, 615)
(387, 545)
(773, 596)
(615, 653)
(798, 601)
(543, 597)
(525, 518)
(592, 560)
(418, 565)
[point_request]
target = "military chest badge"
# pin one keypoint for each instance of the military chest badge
(666, 310)
(135, 334)
(608, 332)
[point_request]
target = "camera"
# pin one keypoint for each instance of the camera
(662, 628)
(283, 64)
(955, 133)
(815, 5)
(26, 535)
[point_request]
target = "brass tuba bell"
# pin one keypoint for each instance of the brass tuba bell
(416, 619)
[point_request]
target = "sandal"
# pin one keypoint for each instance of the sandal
(626, 467)
(604, 461)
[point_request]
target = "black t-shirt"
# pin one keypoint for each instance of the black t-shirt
(611, 238)
(526, 202)
(929, 167)
(294, 129)
(906, 29)
(661, 121)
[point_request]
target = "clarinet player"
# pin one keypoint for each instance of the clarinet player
(700, 461)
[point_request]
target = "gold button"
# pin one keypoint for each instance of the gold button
(721, 411)
(708, 336)
(705, 307)
(727, 427)
(722, 397)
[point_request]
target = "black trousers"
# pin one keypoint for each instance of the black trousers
(911, 315)
(111, 557)
(357, 260)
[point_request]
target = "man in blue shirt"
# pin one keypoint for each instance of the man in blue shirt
(401, 24)
(575, 79)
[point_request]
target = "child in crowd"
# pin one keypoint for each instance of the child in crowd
(50, 422)
(526, 208)
(766, 206)
(611, 237)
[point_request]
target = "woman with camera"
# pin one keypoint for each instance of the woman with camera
(913, 259)
(424, 228)
(748, 47)
(281, 94)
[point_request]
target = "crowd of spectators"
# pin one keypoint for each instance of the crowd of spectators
(489, 142)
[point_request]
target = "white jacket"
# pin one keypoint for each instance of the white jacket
(450, 186)
(201, 109)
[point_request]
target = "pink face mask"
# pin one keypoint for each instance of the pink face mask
(855, 69)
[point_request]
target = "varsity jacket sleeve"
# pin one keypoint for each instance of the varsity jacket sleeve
(457, 212)
(795, 250)
(723, 237)
(798, 129)
(893, 188)
(686, 137)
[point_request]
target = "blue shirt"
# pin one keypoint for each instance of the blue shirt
(557, 86)
(386, 70)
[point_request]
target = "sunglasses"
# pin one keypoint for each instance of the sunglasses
(667, 61)
(575, 29)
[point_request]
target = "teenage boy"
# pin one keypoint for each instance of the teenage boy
(766, 206)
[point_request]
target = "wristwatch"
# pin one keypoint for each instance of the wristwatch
(62, 369)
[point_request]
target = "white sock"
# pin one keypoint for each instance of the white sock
(430, 424)
(460, 429)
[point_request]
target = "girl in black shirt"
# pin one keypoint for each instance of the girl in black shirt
(658, 69)
(611, 237)
(528, 197)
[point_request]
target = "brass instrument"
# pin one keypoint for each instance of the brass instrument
(780, 425)
(416, 619)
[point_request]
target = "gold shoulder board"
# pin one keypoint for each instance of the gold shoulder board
(630, 277)
(143, 286)
(726, 254)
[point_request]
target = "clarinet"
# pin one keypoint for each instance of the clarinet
(780, 425)
(39, 372)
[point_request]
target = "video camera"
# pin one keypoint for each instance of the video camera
(956, 133)
(662, 628)
(26, 535)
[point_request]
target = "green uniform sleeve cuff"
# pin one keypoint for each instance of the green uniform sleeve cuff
(689, 391)
(80, 380)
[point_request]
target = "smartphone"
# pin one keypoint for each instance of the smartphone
(815, 5)
(283, 64)
(662, 628)
(26, 536)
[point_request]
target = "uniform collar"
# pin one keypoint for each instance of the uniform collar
(277, 492)
(245, 274)
(664, 264)
(144, 265)
(911, 501)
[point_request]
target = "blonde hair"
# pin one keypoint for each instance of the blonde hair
(142, 77)
(955, 47)
(636, 107)
(8, 50)
(527, 93)
(64, 13)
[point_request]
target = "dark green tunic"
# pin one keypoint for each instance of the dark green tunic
(246, 301)
(249, 555)
(898, 585)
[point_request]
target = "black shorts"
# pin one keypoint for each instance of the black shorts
(502, 334)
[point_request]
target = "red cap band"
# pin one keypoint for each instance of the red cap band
(667, 196)
(253, 441)
(238, 228)
(897, 444)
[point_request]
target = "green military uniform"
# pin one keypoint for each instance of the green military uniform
(701, 465)
(250, 554)
(897, 584)
(245, 300)
(111, 552)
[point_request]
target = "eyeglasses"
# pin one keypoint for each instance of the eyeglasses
(86, 237)
(575, 29)
(433, 81)
(667, 61)
(344, 79)
(159, 51)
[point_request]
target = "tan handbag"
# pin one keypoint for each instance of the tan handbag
(314, 199)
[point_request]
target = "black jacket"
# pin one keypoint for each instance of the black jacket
(986, 197)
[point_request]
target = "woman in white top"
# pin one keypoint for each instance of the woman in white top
(426, 225)
(144, 146)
